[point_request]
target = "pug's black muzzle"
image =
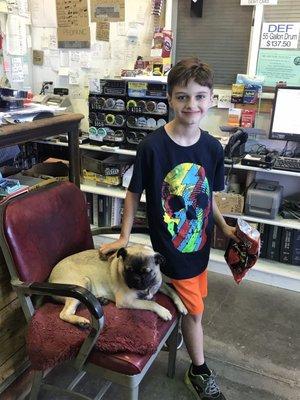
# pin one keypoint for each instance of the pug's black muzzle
(140, 280)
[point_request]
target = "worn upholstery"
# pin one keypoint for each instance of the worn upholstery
(43, 227)
(128, 339)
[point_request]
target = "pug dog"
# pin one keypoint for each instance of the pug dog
(130, 278)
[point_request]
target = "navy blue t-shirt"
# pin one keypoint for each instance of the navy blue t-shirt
(179, 182)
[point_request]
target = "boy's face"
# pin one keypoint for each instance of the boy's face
(190, 103)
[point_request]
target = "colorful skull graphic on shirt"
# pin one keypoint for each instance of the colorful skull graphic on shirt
(186, 202)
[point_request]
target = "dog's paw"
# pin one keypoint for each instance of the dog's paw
(83, 322)
(103, 301)
(164, 314)
(181, 307)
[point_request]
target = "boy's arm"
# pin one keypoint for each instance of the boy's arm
(229, 231)
(130, 208)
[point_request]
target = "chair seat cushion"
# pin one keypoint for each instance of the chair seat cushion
(127, 341)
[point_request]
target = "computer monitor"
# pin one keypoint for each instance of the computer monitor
(285, 122)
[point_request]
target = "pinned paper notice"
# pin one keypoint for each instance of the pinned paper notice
(107, 10)
(102, 31)
(64, 58)
(3, 6)
(74, 78)
(43, 13)
(38, 57)
(17, 73)
(54, 59)
(85, 60)
(16, 35)
(52, 41)
(45, 39)
(64, 71)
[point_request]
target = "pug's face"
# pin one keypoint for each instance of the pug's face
(141, 267)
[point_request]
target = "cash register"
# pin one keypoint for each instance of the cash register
(59, 98)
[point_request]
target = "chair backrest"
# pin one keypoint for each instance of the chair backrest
(42, 227)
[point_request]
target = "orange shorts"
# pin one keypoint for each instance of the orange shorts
(192, 291)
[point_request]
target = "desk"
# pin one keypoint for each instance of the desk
(42, 128)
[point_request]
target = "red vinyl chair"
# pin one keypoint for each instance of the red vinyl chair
(38, 229)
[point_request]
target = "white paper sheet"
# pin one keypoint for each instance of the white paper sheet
(17, 73)
(3, 6)
(23, 8)
(16, 38)
(43, 13)
(85, 59)
(64, 58)
(54, 59)
(74, 78)
(64, 71)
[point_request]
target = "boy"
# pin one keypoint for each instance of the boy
(179, 166)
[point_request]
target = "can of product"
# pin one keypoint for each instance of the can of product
(110, 103)
(110, 119)
(150, 106)
(131, 120)
(101, 132)
(119, 135)
(119, 105)
(141, 121)
(141, 104)
(161, 122)
(130, 104)
(119, 120)
(151, 123)
(161, 107)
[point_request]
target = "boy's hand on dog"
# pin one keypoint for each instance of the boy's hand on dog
(107, 250)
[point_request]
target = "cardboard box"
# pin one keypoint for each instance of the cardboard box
(114, 165)
(230, 203)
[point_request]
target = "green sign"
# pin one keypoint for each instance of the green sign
(279, 65)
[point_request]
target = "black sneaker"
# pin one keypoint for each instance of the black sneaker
(179, 342)
(203, 387)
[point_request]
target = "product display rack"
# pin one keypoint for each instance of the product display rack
(147, 109)
(107, 113)
(122, 113)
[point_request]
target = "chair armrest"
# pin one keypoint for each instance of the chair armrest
(77, 292)
(66, 290)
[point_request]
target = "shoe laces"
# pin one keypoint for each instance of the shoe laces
(211, 386)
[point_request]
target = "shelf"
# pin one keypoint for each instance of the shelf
(269, 171)
(88, 146)
(279, 221)
(265, 271)
(117, 150)
(110, 191)
(119, 192)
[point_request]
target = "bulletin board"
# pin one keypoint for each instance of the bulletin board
(39, 51)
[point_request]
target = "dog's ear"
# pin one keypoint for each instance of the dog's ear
(159, 259)
(122, 252)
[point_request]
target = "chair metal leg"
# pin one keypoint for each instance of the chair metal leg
(36, 385)
(134, 393)
(172, 343)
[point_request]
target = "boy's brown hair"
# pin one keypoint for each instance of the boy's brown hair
(187, 69)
